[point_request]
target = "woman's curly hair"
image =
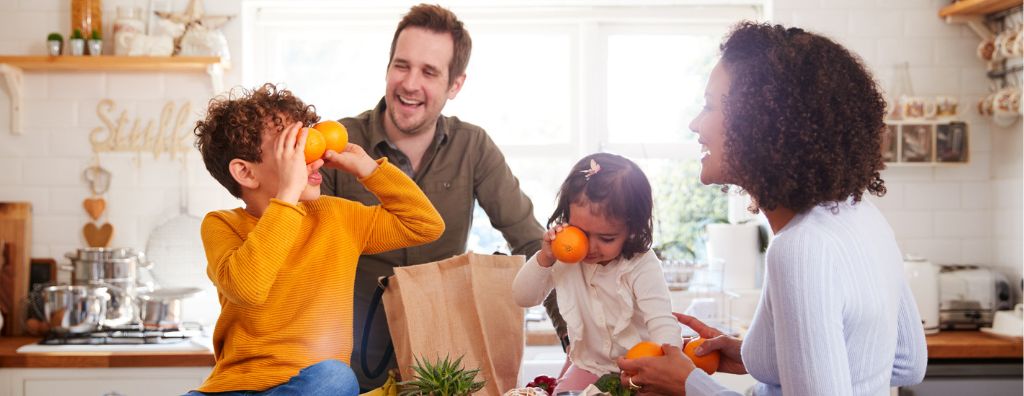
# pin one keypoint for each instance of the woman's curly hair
(234, 127)
(803, 119)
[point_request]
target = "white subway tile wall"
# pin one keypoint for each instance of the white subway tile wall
(949, 214)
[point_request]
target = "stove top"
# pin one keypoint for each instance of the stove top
(127, 335)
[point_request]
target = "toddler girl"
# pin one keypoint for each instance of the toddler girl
(617, 296)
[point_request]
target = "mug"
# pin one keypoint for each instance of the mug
(986, 49)
(945, 106)
(1009, 48)
(916, 107)
(1006, 102)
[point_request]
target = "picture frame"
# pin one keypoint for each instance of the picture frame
(951, 142)
(916, 143)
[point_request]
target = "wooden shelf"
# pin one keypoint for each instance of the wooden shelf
(976, 7)
(112, 63)
(13, 66)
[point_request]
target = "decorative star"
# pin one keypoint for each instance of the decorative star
(192, 18)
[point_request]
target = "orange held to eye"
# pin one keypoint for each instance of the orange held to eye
(315, 145)
(570, 245)
(644, 349)
(709, 362)
(335, 134)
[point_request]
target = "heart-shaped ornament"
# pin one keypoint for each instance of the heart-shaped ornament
(98, 236)
(95, 207)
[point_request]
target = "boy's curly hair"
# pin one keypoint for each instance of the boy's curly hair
(803, 119)
(234, 127)
(621, 191)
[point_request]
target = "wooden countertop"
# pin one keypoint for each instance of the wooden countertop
(973, 345)
(10, 358)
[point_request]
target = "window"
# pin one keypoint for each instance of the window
(550, 83)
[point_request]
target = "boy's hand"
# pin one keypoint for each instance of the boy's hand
(353, 160)
(546, 258)
(292, 170)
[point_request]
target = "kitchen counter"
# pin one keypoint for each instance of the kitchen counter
(9, 358)
(973, 345)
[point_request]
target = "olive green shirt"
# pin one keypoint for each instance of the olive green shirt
(461, 165)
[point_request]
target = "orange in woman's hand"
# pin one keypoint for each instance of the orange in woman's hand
(315, 145)
(644, 349)
(570, 245)
(709, 362)
(335, 134)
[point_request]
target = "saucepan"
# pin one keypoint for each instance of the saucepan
(75, 309)
(161, 308)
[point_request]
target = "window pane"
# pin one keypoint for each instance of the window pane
(518, 86)
(656, 85)
(342, 73)
(682, 207)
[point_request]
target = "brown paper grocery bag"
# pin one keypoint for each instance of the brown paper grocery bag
(461, 306)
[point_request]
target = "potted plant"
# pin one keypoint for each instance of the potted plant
(441, 378)
(95, 43)
(54, 43)
(77, 43)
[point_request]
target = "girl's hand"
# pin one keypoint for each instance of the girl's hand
(546, 258)
(659, 375)
(729, 347)
(353, 160)
(292, 170)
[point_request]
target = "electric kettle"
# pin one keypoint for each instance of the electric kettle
(923, 277)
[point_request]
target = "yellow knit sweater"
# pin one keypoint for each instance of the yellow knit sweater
(285, 280)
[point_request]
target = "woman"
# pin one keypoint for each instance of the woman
(795, 120)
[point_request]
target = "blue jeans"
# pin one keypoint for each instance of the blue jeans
(327, 378)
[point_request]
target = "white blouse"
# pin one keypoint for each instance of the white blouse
(607, 308)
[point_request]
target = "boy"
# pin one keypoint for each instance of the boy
(284, 265)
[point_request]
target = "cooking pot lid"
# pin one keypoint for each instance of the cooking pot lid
(167, 293)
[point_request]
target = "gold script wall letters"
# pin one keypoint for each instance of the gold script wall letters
(170, 136)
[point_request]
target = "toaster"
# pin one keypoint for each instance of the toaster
(969, 296)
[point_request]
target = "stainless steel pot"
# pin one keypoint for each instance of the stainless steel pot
(89, 265)
(161, 308)
(75, 309)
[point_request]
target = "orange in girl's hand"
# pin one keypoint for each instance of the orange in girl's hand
(644, 349)
(570, 245)
(709, 362)
(315, 145)
(335, 134)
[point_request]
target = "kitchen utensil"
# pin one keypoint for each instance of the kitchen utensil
(95, 207)
(923, 278)
(98, 236)
(16, 231)
(1008, 323)
(75, 309)
(162, 308)
(105, 265)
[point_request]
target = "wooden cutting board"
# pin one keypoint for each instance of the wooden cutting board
(16, 232)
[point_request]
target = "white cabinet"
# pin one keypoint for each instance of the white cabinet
(155, 381)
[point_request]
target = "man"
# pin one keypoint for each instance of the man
(454, 162)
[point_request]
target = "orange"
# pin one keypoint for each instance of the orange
(570, 245)
(709, 362)
(644, 349)
(315, 145)
(334, 133)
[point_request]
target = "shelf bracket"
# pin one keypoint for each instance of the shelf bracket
(216, 72)
(14, 78)
(976, 23)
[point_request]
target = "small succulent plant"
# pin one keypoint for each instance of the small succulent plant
(441, 378)
(95, 35)
(77, 34)
(54, 37)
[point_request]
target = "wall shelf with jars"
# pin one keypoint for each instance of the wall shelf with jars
(13, 66)
(925, 142)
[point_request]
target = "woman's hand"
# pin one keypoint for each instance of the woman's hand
(660, 375)
(729, 347)
(353, 160)
(545, 257)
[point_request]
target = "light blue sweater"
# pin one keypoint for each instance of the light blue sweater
(836, 315)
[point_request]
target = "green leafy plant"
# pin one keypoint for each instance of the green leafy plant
(54, 37)
(611, 383)
(441, 378)
(683, 207)
(95, 35)
(77, 34)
